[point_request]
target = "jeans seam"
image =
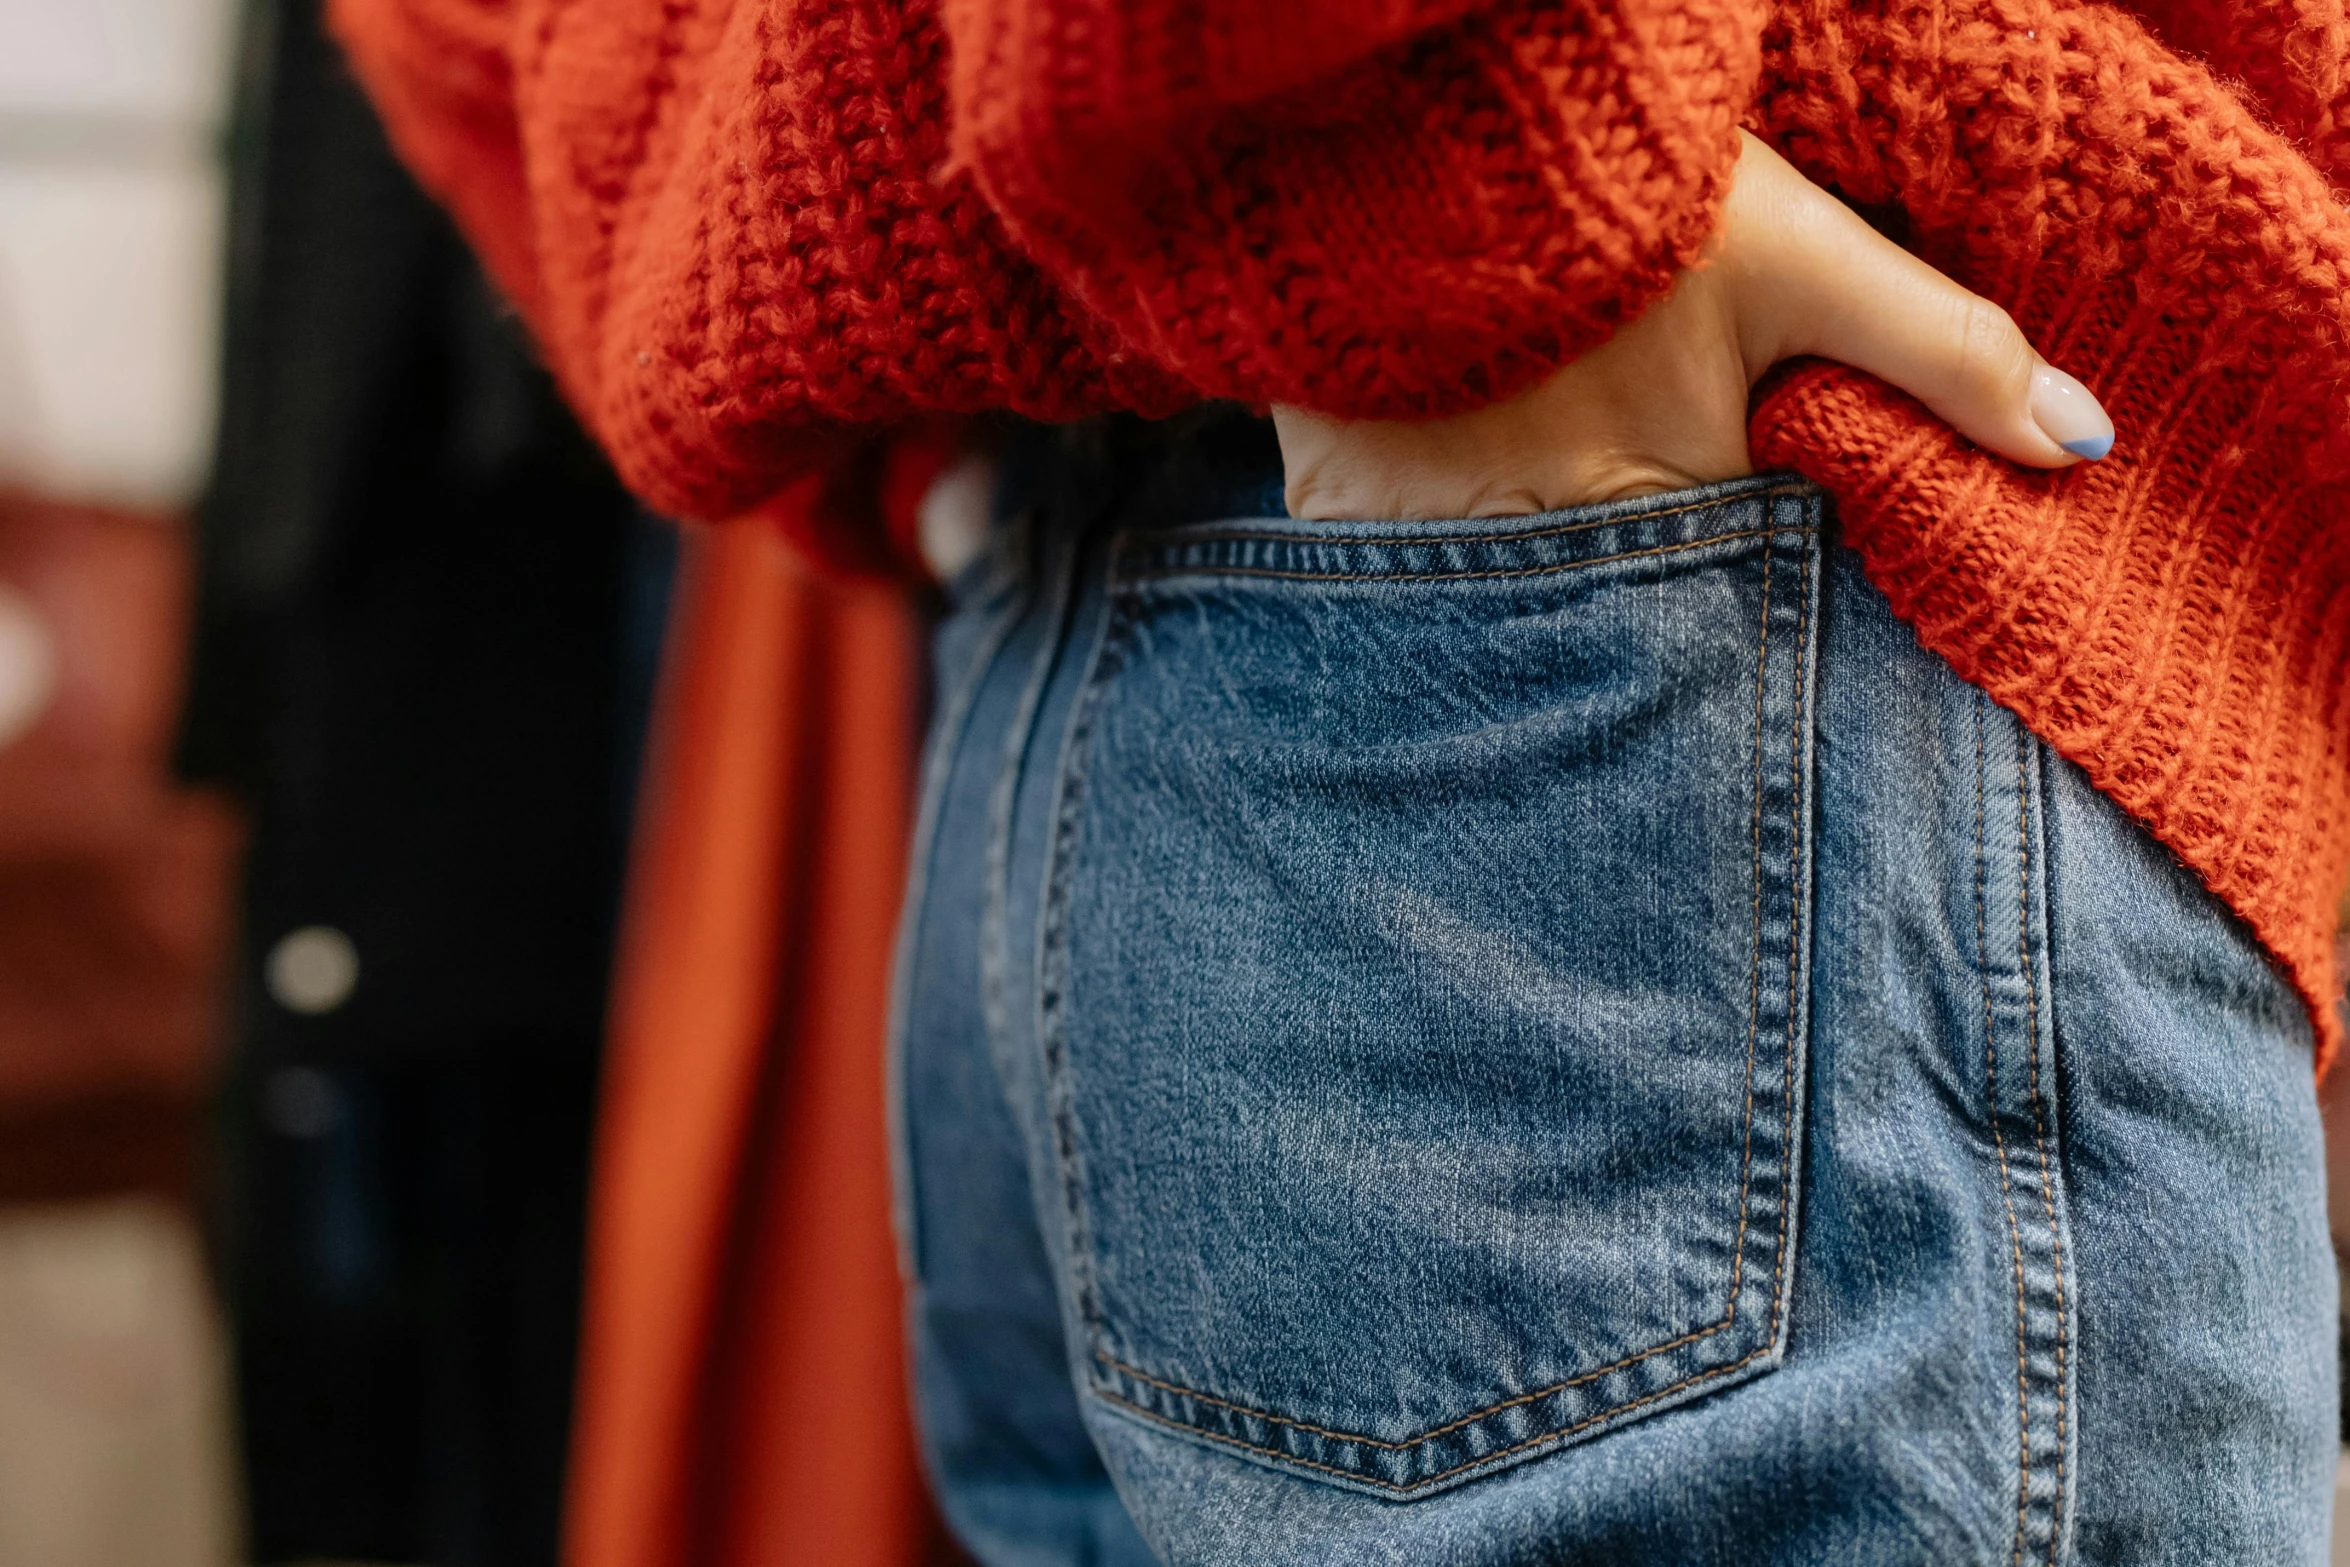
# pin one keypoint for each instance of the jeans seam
(1056, 605)
(2024, 745)
(2035, 1279)
(1457, 576)
(1068, 804)
(1514, 536)
(1405, 1487)
(1999, 1135)
(954, 711)
(1106, 663)
(1798, 911)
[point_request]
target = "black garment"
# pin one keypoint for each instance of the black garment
(426, 618)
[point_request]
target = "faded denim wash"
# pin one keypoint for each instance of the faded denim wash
(1566, 1039)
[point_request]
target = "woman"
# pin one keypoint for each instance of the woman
(1559, 1001)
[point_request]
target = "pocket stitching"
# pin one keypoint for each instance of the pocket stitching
(1403, 1487)
(1107, 663)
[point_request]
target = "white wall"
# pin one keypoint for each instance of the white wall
(112, 206)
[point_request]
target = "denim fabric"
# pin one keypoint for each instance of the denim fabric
(1566, 1039)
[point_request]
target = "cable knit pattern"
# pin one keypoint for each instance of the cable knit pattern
(750, 232)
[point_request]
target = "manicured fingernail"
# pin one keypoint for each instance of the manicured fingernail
(2065, 411)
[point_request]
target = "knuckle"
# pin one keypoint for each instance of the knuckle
(1990, 358)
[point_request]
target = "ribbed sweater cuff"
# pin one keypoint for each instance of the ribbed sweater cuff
(2173, 620)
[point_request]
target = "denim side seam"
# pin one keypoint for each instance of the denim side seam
(1055, 605)
(1108, 657)
(947, 724)
(2036, 1242)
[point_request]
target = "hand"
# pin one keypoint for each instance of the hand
(1662, 404)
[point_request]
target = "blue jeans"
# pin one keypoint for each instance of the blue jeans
(1566, 1039)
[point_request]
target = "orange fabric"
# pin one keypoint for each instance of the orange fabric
(742, 1394)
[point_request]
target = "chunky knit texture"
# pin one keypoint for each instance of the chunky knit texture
(2173, 619)
(751, 232)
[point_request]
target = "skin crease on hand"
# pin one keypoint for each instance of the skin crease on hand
(1662, 404)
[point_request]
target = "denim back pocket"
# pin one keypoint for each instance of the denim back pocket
(1424, 976)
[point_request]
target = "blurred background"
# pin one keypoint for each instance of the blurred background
(444, 912)
(359, 919)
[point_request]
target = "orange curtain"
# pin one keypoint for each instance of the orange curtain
(742, 1385)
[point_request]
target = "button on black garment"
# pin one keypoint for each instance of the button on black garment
(426, 621)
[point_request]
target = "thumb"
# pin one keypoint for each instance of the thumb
(1812, 278)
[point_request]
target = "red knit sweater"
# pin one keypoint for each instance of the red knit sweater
(750, 232)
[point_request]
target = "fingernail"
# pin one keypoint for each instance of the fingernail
(2067, 413)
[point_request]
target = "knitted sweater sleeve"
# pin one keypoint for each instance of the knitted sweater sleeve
(439, 71)
(1377, 208)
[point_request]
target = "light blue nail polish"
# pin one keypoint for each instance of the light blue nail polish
(2068, 413)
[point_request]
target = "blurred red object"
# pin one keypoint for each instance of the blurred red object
(113, 882)
(742, 1394)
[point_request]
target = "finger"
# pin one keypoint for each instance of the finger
(1815, 279)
